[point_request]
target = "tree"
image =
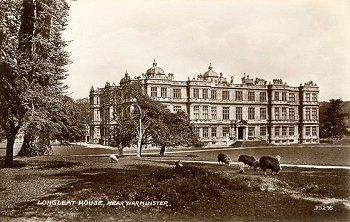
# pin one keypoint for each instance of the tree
(159, 125)
(32, 61)
(332, 122)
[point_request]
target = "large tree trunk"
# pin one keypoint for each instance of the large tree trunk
(25, 148)
(162, 151)
(9, 149)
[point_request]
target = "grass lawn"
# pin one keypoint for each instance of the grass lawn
(98, 190)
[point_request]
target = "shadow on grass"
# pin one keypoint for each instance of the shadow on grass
(42, 165)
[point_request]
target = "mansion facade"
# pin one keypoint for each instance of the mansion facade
(223, 111)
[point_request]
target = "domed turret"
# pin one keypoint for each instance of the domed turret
(210, 73)
(154, 70)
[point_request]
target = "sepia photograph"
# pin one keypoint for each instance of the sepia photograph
(175, 110)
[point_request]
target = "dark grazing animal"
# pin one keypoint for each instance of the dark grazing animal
(269, 162)
(248, 160)
(223, 158)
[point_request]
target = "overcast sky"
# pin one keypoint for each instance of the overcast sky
(297, 41)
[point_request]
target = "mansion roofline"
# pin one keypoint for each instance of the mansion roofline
(209, 78)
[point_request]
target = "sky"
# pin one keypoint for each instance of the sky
(295, 40)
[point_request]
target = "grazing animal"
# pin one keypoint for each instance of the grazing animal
(272, 163)
(241, 167)
(113, 158)
(223, 158)
(248, 160)
(178, 163)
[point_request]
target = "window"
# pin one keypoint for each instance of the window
(205, 93)
(314, 114)
(213, 94)
(239, 115)
(291, 114)
(277, 113)
(196, 112)
(225, 113)
(307, 97)
(284, 131)
(307, 114)
(307, 131)
(277, 131)
(205, 132)
(284, 96)
(225, 131)
(213, 132)
(239, 95)
(205, 112)
(277, 96)
(314, 131)
(284, 113)
(196, 93)
(177, 93)
(262, 130)
(196, 131)
(163, 92)
(177, 108)
(251, 131)
(262, 96)
(291, 131)
(262, 113)
(291, 97)
(96, 99)
(153, 91)
(314, 97)
(97, 117)
(213, 113)
(251, 113)
(225, 95)
(251, 96)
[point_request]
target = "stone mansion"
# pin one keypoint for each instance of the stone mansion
(222, 110)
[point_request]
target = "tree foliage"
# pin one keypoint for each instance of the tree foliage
(159, 126)
(332, 120)
(32, 62)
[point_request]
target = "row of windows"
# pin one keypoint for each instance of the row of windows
(226, 113)
(278, 96)
(279, 131)
(311, 130)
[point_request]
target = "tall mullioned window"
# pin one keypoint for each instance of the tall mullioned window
(205, 93)
(277, 96)
(284, 131)
(225, 95)
(262, 113)
(314, 131)
(251, 113)
(277, 113)
(284, 96)
(262, 96)
(251, 96)
(163, 92)
(314, 97)
(196, 93)
(177, 93)
(291, 97)
(196, 112)
(314, 114)
(307, 97)
(213, 112)
(239, 113)
(291, 131)
(239, 96)
(196, 131)
(251, 131)
(307, 131)
(213, 132)
(291, 114)
(284, 113)
(153, 91)
(213, 94)
(205, 132)
(225, 131)
(277, 131)
(205, 112)
(225, 113)
(307, 114)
